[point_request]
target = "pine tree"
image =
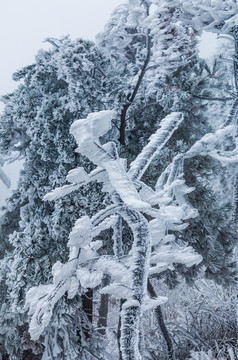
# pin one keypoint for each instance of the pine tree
(145, 65)
(161, 72)
(58, 88)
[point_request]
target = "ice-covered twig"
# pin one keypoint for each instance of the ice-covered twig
(209, 143)
(117, 238)
(156, 142)
(5, 179)
(132, 308)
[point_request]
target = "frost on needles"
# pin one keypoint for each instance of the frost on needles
(153, 249)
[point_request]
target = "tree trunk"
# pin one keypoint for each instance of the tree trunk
(160, 319)
(87, 303)
(122, 301)
(103, 308)
(132, 308)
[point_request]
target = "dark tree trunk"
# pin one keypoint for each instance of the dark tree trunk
(160, 319)
(87, 303)
(103, 308)
(122, 137)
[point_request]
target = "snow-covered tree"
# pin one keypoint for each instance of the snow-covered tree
(220, 17)
(160, 72)
(60, 86)
(156, 61)
(153, 248)
(145, 66)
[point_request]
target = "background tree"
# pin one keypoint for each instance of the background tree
(58, 88)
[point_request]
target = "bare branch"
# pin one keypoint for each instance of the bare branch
(135, 91)
(141, 109)
(211, 98)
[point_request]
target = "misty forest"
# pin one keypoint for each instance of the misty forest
(120, 241)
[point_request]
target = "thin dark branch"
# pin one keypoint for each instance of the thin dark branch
(143, 70)
(211, 98)
(115, 125)
(98, 69)
(141, 109)
(235, 62)
(131, 98)
(153, 67)
(226, 60)
(101, 148)
(160, 319)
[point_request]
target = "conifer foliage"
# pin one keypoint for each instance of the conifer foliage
(36, 124)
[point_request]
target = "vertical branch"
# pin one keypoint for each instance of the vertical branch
(117, 238)
(131, 309)
(131, 97)
(104, 300)
(3, 290)
(117, 247)
(122, 137)
(235, 62)
(122, 301)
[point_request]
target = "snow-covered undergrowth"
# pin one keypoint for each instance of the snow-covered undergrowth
(201, 320)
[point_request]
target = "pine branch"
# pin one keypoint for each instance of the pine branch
(210, 98)
(232, 113)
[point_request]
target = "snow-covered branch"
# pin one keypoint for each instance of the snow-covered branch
(5, 179)
(130, 198)
(156, 143)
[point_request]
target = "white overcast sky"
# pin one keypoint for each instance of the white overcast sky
(24, 24)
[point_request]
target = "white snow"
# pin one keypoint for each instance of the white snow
(156, 142)
(81, 234)
(89, 279)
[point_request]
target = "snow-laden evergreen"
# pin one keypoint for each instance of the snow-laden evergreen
(155, 157)
(85, 267)
(35, 125)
